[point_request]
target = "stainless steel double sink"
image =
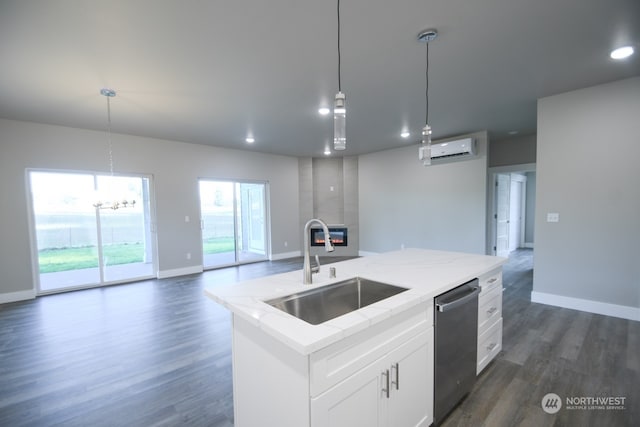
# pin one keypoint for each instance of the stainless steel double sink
(318, 305)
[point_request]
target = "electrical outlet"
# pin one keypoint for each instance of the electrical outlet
(188, 255)
(553, 217)
(286, 244)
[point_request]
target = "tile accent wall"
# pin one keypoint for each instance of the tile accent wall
(329, 191)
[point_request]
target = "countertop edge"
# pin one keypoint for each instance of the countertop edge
(245, 299)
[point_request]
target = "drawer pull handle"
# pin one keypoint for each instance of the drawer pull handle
(489, 347)
(396, 366)
(492, 280)
(386, 377)
(492, 310)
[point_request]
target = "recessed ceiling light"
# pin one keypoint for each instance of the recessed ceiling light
(622, 52)
(405, 134)
(513, 132)
(327, 152)
(250, 140)
(324, 111)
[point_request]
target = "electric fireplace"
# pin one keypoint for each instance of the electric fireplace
(338, 236)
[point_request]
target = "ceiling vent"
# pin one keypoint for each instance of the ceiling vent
(449, 149)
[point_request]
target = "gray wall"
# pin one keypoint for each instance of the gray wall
(175, 167)
(442, 206)
(587, 171)
(530, 209)
(513, 151)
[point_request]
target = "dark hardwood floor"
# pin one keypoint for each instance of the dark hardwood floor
(553, 350)
(158, 353)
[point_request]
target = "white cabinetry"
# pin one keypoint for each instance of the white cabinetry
(396, 390)
(381, 376)
(489, 318)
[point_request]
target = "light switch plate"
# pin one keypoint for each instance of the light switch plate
(553, 217)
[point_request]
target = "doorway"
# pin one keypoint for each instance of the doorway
(79, 243)
(511, 209)
(233, 218)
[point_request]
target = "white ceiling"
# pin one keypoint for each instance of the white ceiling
(210, 72)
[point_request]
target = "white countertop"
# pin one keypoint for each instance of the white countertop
(426, 273)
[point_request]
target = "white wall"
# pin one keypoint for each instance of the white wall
(175, 168)
(588, 171)
(402, 202)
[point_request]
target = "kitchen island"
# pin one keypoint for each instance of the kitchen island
(373, 366)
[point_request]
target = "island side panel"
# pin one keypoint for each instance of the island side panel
(270, 380)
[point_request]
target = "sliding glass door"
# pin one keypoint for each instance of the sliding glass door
(234, 222)
(80, 243)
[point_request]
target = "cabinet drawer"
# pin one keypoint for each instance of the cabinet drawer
(489, 309)
(340, 360)
(489, 345)
(490, 280)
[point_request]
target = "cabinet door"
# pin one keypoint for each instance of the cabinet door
(362, 399)
(356, 401)
(411, 398)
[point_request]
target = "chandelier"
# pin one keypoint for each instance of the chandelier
(108, 202)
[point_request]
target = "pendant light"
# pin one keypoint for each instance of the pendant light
(113, 204)
(339, 107)
(424, 152)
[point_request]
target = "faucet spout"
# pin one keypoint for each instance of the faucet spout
(307, 269)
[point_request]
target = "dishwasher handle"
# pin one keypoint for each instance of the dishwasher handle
(475, 290)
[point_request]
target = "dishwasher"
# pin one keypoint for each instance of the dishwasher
(456, 344)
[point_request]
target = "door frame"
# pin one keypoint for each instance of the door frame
(267, 215)
(520, 179)
(492, 173)
(33, 237)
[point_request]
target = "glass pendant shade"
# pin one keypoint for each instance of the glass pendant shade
(424, 152)
(339, 123)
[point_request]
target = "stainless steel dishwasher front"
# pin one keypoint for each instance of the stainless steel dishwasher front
(456, 343)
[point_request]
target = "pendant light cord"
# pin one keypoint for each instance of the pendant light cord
(109, 132)
(427, 88)
(339, 61)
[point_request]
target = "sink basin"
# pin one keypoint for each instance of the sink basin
(318, 305)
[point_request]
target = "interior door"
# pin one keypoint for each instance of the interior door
(503, 190)
(515, 215)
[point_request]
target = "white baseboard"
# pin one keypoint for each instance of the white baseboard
(367, 253)
(285, 255)
(528, 245)
(621, 311)
(17, 296)
(180, 272)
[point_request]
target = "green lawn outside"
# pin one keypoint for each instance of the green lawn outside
(218, 245)
(65, 259)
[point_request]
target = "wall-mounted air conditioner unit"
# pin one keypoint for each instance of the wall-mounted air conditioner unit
(457, 148)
